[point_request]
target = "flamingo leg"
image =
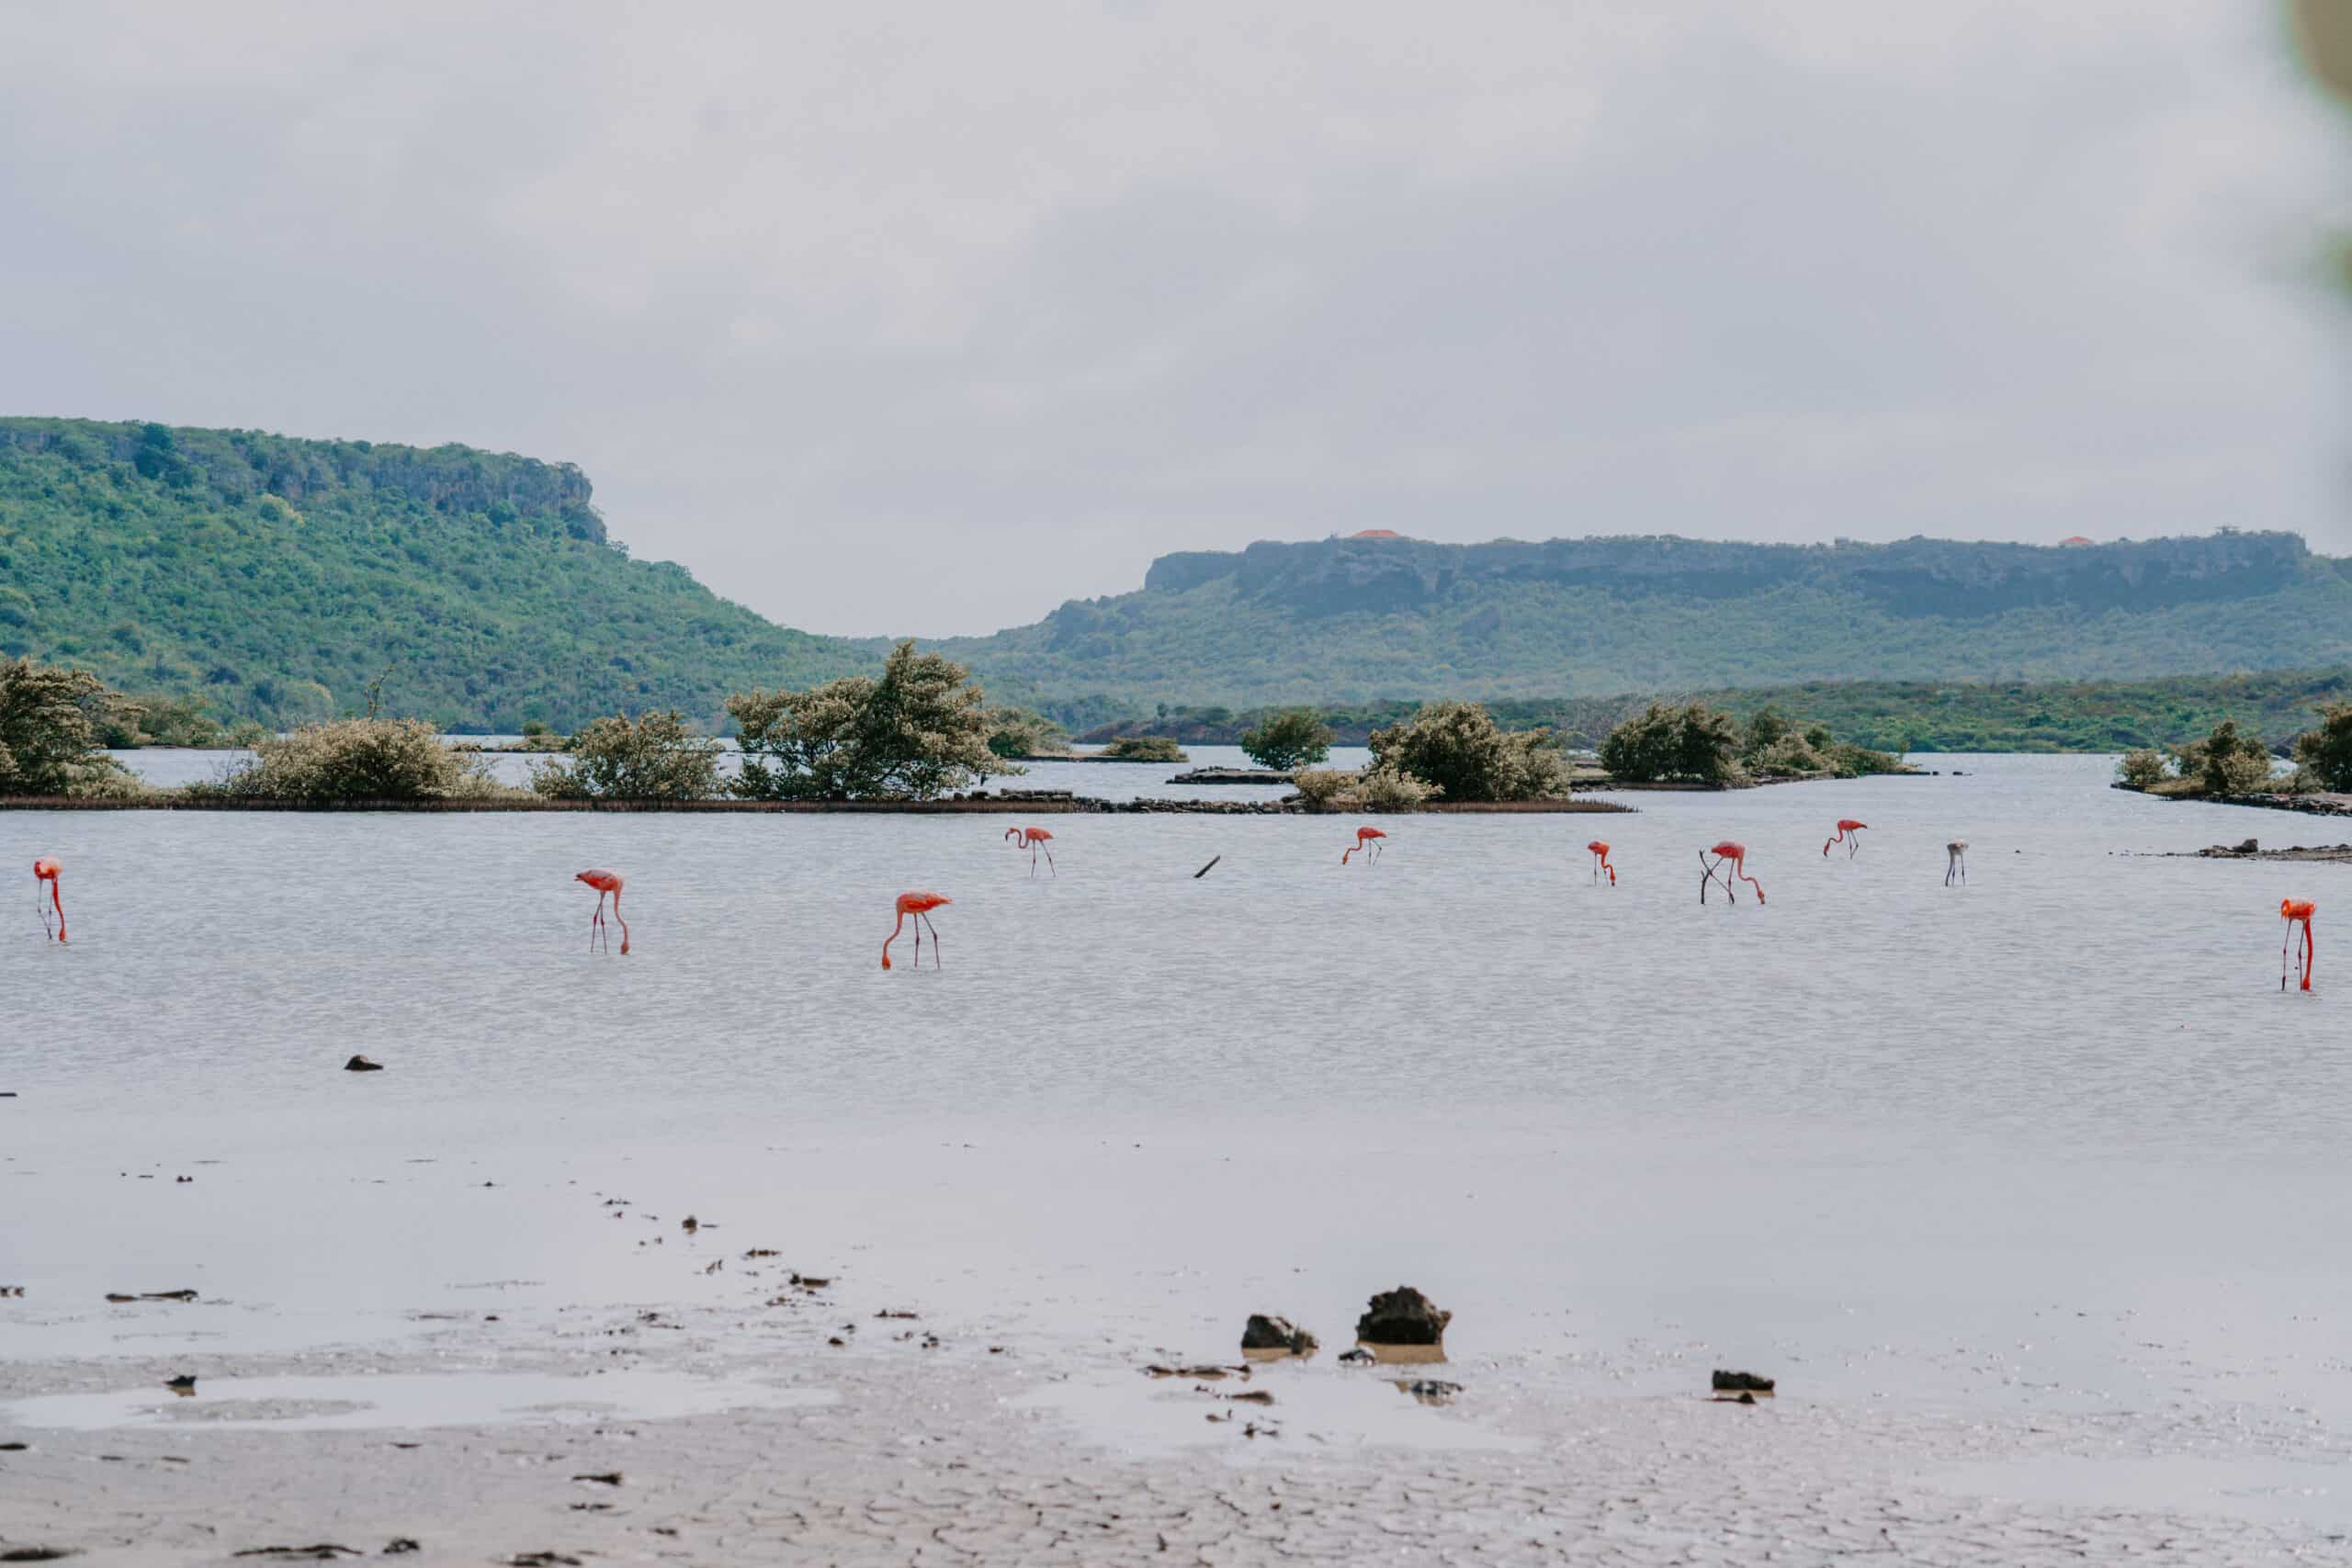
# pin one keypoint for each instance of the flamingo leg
(1049, 866)
(934, 941)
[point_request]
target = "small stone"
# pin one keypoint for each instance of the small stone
(184, 1383)
(1265, 1333)
(1356, 1358)
(1740, 1383)
(362, 1065)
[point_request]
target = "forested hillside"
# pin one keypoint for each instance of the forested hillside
(1354, 620)
(278, 578)
(281, 579)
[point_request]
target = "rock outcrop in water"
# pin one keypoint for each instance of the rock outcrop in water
(1402, 1317)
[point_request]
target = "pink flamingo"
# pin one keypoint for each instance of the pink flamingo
(1735, 856)
(1366, 839)
(605, 882)
(1599, 847)
(1033, 840)
(1849, 833)
(45, 870)
(2294, 911)
(920, 906)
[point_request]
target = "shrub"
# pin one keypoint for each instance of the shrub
(2325, 753)
(920, 731)
(1457, 748)
(1018, 732)
(656, 757)
(358, 759)
(1693, 741)
(2230, 763)
(1288, 740)
(1391, 789)
(50, 739)
(1145, 749)
(2142, 769)
(1790, 755)
(1321, 787)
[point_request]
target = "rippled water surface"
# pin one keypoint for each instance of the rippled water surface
(1882, 1127)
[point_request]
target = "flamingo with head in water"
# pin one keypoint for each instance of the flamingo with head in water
(1849, 833)
(1956, 861)
(1367, 839)
(1033, 840)
(1599, 847)
(920, 906)
(45, 870)
(605, 882)
(2295, 911)
(1730, 855)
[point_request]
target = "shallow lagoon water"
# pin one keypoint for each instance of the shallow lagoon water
(2053, 1139)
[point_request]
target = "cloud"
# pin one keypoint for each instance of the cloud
(924, 319)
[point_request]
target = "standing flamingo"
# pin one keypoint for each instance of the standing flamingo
(920, 906)
(1849, 833)
(1599, 847)
(2294, 910)
(1735, 856)
(1956, 861)
(605, 882)
(1033, 840)
(1366, 839)
(45, 870)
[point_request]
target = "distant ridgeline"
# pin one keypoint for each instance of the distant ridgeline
(1355, 620)
(279, 579)
(276, 579)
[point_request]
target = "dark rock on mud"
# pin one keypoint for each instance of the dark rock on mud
(362, 1065)
(1740, 1383)
(1355, 1358)
(1431, 1391)
(1267, 1333)
(1402, 1317)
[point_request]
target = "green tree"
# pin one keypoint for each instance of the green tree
(920, 731)
(2226, 762)
(2142, 769)
(1288, 740)
(1457, 748)
(2325, 753)
(1694, 743)
(654, 756)
(51, 742)
(802, 745)
(924, 730)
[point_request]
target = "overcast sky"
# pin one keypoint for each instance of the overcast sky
(924, 319)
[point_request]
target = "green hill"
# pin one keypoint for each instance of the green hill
(1358, 620)
(276, 579)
